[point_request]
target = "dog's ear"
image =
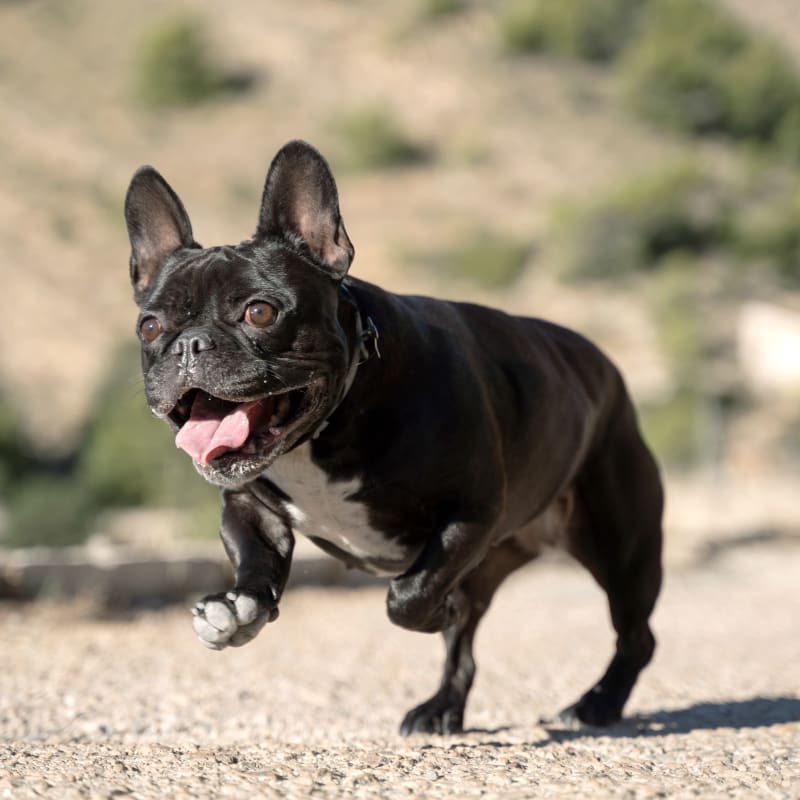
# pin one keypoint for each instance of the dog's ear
(300, 200)
(158, 225)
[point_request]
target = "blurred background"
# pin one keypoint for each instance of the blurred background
(629, 168)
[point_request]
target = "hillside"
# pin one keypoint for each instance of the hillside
(503, 142)
(509, 137)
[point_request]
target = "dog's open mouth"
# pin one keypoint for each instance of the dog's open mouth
(212, 427)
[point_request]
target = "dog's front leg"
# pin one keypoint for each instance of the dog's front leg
(259, 544)
(424, 598)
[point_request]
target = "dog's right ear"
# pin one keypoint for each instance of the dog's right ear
(158, 225)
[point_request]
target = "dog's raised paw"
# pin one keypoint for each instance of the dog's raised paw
(230, 618)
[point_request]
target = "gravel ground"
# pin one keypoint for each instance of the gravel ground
(93, 707)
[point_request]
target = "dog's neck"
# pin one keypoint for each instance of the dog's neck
(364, 346)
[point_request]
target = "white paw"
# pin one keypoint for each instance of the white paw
(232, 618)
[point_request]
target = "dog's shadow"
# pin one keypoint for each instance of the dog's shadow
(759, 712)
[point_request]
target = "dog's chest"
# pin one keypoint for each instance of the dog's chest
(325, 509)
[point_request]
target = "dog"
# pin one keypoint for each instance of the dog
(440, 444)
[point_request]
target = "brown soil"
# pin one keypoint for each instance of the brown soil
(137, 708)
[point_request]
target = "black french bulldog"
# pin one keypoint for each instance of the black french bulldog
(439, 443)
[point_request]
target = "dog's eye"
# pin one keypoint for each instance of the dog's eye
(259, 314)
(150, 329)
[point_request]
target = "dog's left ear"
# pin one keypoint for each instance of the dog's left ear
(300, 200)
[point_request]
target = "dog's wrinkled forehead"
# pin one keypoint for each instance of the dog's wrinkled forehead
(196, 280)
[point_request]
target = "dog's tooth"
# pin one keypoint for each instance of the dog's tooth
(283, 405)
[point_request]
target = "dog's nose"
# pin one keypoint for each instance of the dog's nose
(190, 343)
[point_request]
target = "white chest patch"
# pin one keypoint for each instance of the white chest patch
(323, 508)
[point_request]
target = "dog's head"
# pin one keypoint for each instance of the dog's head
(243, 351)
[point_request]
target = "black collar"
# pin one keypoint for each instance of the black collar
(366, 330)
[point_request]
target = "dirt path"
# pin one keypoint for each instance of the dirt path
(110, 708)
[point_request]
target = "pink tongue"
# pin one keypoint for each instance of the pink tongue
(210, 431)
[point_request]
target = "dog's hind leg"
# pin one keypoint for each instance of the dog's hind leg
(619, 540)
(444, 712)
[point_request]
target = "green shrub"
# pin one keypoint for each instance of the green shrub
(126, 458)
(44, 505)
(677, 210)
(764, 89)
(371, 138)
(769, 233)
(129, 458)
(695, 69)
(673, 427)
(681, 320)
(14, 449)
(787, 137)
(432, 9)
(595, 30)
(176, 67)
(49, 510)
(688, 426)
(484, 257)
